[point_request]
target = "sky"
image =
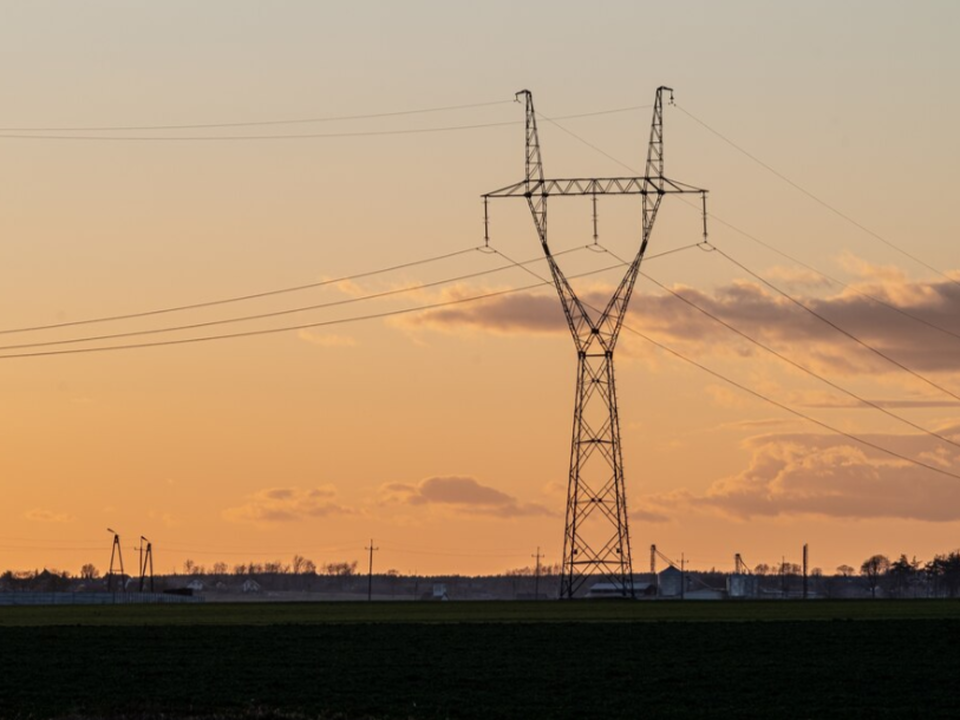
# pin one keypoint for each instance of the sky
(824, 132)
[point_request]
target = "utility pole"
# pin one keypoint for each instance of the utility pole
(596, 543)
(370, 571)
(783, 576)
(146, 560)
(115, 553)
(653, 569)
(805, 559)
(536, 583)
(683, 576)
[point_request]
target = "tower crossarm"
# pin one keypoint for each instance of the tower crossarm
(594, 186)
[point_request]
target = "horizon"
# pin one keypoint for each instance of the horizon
(444, 434)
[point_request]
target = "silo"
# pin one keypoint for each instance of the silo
(670, 582)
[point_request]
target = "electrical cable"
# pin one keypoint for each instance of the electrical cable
(274, 313)
(586, 142)
(836, 327)
(305, 326)
(891, 306)
(816, 199)
(761, 396)
(240, 298)
(301, 136)
(258, 123)
(795, 364)
(797, 413)
(839, 283)
(791, 299)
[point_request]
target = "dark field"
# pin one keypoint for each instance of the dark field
(483, 660)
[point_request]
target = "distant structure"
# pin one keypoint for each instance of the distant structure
(146, 563)
(742, 584)
(597, 535)
(116, 554)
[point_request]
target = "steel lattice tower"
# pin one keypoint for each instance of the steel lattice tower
(597, 536)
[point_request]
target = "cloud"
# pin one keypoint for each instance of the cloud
(824, 475)
(911, 404)
(520, 313)
(647, 516)
(760, 313)
(48, 516)
(463, 494)
(287, 504)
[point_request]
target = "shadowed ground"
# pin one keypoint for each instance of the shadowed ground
(482, 660)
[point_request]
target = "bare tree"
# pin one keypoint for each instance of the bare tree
(844, 571)
(341, 568)
(89, 572)
(277, 567)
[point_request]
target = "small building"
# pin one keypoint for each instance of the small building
(250, 586)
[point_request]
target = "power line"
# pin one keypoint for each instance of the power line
(257, 123)
(804, 416)
(274, 313)
(839, 283)
(241, 298)
(714, 217)
(300, 136)
(815, 198)
(288, 328)
(795, 364)
(305, 326)
(836, 327)
(761, 396)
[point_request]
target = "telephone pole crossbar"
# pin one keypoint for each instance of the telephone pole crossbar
(597, 535)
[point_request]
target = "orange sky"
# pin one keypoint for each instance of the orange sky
(445, 436)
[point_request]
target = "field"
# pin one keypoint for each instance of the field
(481, 660)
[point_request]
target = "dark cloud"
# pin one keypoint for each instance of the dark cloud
(762, 314)
(461, 493)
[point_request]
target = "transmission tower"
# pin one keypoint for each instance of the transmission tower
(597, 536)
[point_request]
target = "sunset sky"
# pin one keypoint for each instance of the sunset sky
(444, 435)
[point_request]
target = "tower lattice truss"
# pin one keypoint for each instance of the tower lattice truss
(597, 534)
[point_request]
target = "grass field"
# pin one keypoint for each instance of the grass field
(482, 660)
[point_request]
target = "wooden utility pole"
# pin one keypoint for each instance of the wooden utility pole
(370, 571)
(805, 559)
(536, 582)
